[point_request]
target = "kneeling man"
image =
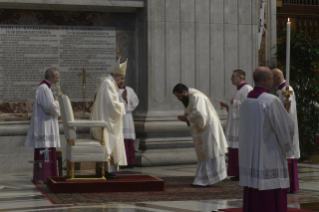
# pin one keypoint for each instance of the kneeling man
(209, 140)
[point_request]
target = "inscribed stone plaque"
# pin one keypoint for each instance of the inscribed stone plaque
(27, 51)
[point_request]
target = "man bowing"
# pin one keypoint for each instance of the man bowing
(265, 140)
(107, 107)
(43, 134)
(208, 135)
(280, 83)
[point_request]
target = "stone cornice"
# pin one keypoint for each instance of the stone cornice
(78, 5)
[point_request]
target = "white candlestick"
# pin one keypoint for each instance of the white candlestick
(288, 55)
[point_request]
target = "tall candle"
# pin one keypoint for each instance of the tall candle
(288, 55)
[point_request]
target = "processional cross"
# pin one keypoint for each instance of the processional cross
(83, 75)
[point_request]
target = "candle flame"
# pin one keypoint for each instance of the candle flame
(288, 19)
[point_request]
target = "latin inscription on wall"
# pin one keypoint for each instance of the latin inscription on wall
(27, 51)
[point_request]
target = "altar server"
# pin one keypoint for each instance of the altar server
(208, 135)
(280, 83)
(128, 95)
(238, 79)
(108, 107)
(43, 134)
(265, 140)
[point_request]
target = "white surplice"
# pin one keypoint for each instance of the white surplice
(107, 107)
(293, 114)
(232, 129)
(44, 127)
(265, 140)
(128, 122)
(209, 140)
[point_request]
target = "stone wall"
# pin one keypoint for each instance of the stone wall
(198, 43)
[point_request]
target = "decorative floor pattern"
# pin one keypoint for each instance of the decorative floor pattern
(17, 193)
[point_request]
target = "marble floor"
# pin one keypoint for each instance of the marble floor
(18, 193)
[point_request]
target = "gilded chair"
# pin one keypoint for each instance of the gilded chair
(81, 150)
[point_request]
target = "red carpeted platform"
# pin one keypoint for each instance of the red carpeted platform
(125, 183)
(241, 210)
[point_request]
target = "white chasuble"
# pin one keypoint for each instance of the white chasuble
(44, 127)
(265, 140)
(232, 129)
(207, 132)
(209, 140)
(293, 114)
(107, 107)
(128, 122)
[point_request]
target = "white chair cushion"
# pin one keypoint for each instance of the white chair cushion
(86, 150)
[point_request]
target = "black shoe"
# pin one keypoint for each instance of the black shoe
(235, 178)
(110, 176)
(199, 186)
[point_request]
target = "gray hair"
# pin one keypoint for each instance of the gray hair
(50, 72)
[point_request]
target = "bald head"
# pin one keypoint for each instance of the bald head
(278, 76)
(263, 77)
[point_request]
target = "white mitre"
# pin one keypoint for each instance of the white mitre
(120, 68)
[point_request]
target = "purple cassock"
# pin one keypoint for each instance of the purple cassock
(274, 200)
(130, 151)
(292, 164)
(42, 170)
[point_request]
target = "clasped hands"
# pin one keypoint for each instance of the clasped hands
(182, 118)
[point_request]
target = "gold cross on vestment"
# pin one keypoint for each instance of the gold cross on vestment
(287, 93)
(84, 75)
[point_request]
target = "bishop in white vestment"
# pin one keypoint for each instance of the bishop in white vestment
(208, 135)
(43, 134)
(265, 140)
(128, 95)
(280, 83)
(238, 79)
(108, 107)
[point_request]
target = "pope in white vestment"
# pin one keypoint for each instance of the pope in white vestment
(265, 140)
(128, 123)
(280, 83)
(108, 107)
(232, 129)
(208, 135)
(43, 134)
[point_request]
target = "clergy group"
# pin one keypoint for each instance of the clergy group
(260, 141)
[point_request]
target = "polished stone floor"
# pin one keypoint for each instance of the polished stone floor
(17, 193)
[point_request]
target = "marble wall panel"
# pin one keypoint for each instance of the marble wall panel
(173, 58)
(187, 11)
(156, 10)
(216, 11)
(202, 57)
(158, 61)
(230, 12)
(125, 24)
(142, 58)
(231, 56)
(254, 52)
(244, 12)
(202, 11)
(188, 54)
(245, 50)
(217, 63)
(172, 11)
(254, 12)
